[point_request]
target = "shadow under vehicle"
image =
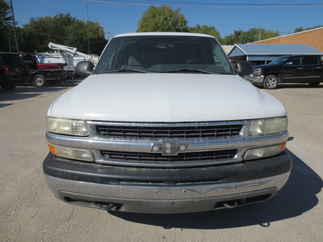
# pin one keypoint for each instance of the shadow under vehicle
(296, 198)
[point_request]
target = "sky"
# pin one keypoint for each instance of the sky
(117, 18)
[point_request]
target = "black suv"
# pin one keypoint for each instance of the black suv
(17, 69)
(289, 69)
(12, 70)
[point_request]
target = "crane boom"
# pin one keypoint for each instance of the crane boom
(69, 53)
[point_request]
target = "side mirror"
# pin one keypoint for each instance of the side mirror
(236, 67)
(84, 68)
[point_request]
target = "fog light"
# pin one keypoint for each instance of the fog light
(264, 152)
(70, 153)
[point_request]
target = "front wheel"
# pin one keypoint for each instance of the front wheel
(39, 81)
(270, 82)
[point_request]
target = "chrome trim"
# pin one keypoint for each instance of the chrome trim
(95, 144)
(166, 197)
(168, 124)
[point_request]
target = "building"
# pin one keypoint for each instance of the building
(312, 37)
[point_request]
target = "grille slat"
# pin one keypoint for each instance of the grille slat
(191, 156)
(223, 131)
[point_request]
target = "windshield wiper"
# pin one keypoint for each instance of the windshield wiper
(127, 69)
(192, 70)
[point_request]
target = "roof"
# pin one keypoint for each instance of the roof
(163, 34)
(273, 49)
(292, 34)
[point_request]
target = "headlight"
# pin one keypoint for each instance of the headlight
(70, 153)
(264, 152)
(257, 71)
(269, 126)
(67, 126)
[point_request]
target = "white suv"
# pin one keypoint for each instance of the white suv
(164, 125)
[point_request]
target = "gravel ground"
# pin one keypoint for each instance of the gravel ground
(29, 212)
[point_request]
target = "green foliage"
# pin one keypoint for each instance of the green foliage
(6, 27)
(205, 29)
(63, 29)
(165, 19)
(253, 34)
(5, 18)
(299, 29)
(162, 19)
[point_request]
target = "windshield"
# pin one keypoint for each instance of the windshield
(12, 59)
(279, 60)
(164, 54)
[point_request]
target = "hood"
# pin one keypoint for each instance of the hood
(267, 66)
(176, 97)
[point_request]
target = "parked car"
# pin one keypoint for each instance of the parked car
(164, 125)
(41, 74)
(15, 69)
(32, 61)
(12, 70)
(289, 69)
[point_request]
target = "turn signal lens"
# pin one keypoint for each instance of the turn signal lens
(70, 153)
(264, 152)
(282, 147)
(52, 149)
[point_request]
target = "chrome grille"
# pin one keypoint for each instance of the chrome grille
(159, 132)
(190, 156)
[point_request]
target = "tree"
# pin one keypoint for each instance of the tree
(6, 26)
(63, 29)
(299, 29)
(5, 17)
(162, 19)
(205, 29)
(253, 34)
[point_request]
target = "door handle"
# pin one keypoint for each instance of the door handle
(300, 68)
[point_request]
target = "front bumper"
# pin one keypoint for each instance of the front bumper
(154, 190)
(257, 80)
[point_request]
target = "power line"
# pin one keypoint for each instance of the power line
(208, 4)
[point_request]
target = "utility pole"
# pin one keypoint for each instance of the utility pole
(14, 25)
(87, 27)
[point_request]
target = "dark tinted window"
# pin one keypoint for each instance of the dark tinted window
(279, 60)
(310, 60)
(11, 59)
(164, 54)
(295, 60)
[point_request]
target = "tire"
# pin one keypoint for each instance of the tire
(271, 82)
(314, 84)
(39, 81)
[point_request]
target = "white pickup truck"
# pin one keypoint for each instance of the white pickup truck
(164, 125)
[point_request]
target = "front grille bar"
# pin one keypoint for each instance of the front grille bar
(191, 156)
(169, 131)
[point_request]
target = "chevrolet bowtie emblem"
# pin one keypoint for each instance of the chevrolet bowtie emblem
(168, 148)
